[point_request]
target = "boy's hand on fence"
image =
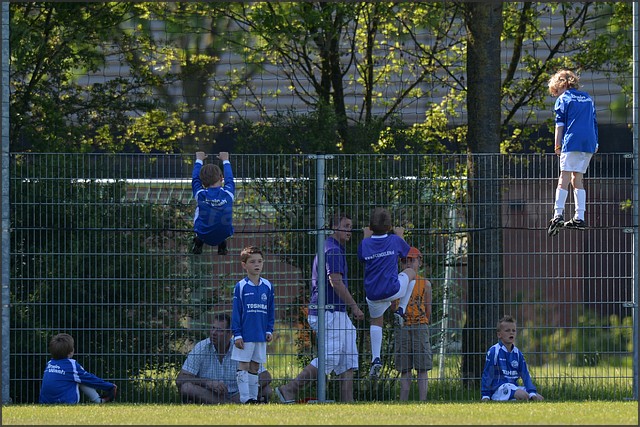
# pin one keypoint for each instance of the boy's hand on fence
(223, 155)
(367, 232)
(398, 231)
(201, 155)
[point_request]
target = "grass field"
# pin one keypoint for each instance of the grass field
(493, 413)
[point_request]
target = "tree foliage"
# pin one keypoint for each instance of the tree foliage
(366, 62)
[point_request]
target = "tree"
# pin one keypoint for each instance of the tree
(53, 44)
(484, 296)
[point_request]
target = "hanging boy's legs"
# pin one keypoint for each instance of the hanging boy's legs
(557, 222)
(580, 201)
(222, 248)
(197, 246)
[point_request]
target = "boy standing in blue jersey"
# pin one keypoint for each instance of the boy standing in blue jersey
(380, 251)
(214, 192)
(503, 367)
(576, 140)
(252, 323)
(64, 377)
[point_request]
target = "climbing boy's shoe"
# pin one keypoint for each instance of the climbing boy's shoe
(222, 248)
(197, 246)
(575, 223)
(398, 317)
(376, 367)
(555, 225)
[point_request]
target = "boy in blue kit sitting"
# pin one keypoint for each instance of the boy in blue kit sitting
(503, 367)
(380, 251)
(215, 193)
(64, 377)
(252, 321)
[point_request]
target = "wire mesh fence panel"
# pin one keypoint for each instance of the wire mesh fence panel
(101, 249)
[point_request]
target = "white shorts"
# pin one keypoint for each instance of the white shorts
(341, 351)
(252, 351)
(506, 392)
(378, 307)
(575, 161)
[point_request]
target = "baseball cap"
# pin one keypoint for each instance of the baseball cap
(414, 253)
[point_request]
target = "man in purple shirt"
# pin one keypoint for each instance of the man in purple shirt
(340, 333)
(379, 251)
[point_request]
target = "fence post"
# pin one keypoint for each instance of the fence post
(6, 264)
(448, 280)
(636, 180)
(320, 238)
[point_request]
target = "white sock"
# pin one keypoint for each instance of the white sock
(242, 378)
(404, 300)
(580, 199)
(253, 386)
(376, 340)
(561, 199)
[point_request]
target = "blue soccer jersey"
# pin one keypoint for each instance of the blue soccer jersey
(575, 112)
(502, 366)
(253, 313)
(336, 263)
(62, 378)
(380, 256)
(213, 221)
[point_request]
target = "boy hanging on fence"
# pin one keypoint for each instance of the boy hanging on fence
(576, 140)
(503, 367)
(379, 251)
(214, 192)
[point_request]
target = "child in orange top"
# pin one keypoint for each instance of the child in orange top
(412, 342)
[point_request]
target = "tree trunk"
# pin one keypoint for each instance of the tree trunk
(484, 296)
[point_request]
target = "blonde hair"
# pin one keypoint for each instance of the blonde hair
(563, 79)
(507, 318)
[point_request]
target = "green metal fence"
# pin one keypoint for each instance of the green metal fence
(99, 248)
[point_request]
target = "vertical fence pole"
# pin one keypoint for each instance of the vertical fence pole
(636, 180)
(448, 279)
(320, 219)
(4, 90)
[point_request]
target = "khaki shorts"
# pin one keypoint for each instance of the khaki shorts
(413, 348)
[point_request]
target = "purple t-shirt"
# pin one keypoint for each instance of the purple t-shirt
(335, 259)
(380, 256)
